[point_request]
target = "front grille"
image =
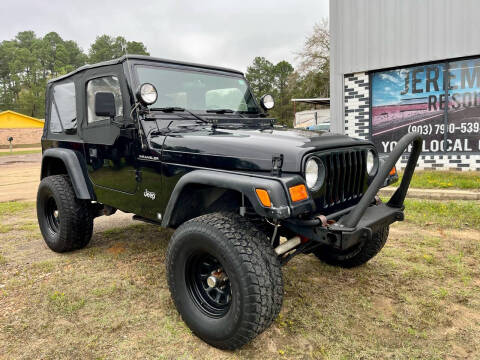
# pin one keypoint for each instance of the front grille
(346, 178)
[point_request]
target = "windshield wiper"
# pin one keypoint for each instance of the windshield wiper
(170, 109)
(220, 111)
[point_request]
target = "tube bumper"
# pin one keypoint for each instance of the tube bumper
(374, 218)
(364, 219)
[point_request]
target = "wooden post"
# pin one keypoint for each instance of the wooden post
(294, 112)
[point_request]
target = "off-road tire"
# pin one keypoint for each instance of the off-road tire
(358, 255)
(74, 227)
(253, 270)
(263, 241)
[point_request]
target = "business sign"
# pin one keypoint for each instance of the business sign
(440, 101)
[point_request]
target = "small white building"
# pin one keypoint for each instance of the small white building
(320, 114)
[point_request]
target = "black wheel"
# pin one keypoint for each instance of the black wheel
(356, 256)
(66, 222)
(224, 282)
(208, 284)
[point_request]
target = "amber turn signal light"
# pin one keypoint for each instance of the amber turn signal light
(393, 171)
(264, 197)
(298, 193)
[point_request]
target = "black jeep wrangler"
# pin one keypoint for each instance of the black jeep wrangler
(188, 147)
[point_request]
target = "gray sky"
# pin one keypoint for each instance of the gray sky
(225, 33)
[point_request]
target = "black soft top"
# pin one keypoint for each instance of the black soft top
(144, 58)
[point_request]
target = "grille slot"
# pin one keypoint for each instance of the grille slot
(345, 176)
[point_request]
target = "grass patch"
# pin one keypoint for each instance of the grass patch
(5, 228)
(20, 146)
(20, 152)
(44, 266)
(456, 214)
(12, 207)
(418, 299)
(424, 179)
(30, 227)
(65, 303)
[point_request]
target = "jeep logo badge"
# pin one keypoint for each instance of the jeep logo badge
(149, 194)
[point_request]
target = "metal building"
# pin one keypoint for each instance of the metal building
(408, 65)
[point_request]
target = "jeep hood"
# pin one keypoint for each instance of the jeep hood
(246, 149)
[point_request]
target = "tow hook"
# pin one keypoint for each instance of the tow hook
(325, 222)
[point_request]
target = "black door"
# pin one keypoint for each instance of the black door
(109, 150)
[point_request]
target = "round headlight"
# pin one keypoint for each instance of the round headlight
(311, 173)
(370, 161)
(147, 94)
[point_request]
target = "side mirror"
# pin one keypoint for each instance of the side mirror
(105, 104)
(267, 102)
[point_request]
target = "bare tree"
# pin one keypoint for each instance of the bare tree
(314, 58)
(315, 54)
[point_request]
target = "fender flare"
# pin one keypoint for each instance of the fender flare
(242, 183)
(76, 168)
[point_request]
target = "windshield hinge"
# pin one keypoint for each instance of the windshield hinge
(277, 163)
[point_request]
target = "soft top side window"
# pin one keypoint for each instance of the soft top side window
(103, 84)
(63, 108)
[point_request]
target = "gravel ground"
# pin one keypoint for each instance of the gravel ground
(19, 179)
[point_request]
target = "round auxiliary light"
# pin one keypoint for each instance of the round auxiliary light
(267, 102)
(147, 94)
(311, 173)
(370, 161)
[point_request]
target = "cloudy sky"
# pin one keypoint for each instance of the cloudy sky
(226, 33)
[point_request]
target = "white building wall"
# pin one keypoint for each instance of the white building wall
(378, 34)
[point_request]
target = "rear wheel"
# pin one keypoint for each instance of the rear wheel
(66, 222)
(356, 256)
(222, 283)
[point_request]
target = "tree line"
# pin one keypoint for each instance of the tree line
(310, 79)
(27, 62)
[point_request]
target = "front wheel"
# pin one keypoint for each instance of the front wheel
(356, 256)
(223, 281)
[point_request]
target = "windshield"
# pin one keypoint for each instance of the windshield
(197, 91)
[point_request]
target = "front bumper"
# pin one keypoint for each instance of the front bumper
(355, 225)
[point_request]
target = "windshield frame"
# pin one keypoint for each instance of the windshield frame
(133, 75)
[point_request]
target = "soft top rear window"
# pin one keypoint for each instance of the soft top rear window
(63, 109)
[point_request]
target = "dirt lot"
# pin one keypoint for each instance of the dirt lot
(19, 177)
(419, 299)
